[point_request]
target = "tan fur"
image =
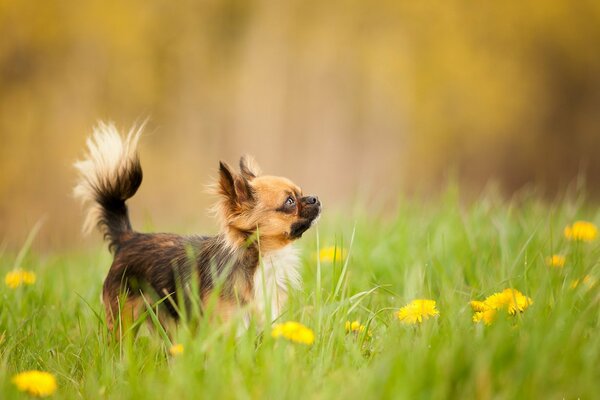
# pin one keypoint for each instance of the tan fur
(249, 167)
(274, 226)
(260, 217)
(126, 314)
(263, 219)
(225, 310)
(250, 208)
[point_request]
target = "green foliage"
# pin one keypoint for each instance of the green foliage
(441, 249)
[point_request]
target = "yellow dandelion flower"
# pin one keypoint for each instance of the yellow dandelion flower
(582, 231)
(510, 300)
(36, 383)
(483, 311)
(18, 277)
(176, 349)
(29, 277)
(487, 316)
(556, 261)
(417, 310)
(574, 283)
(495, 301)
(12, 280)
(588, 280)
(516, 301)
(354, 326)
(479, 306)
(293, 331)
(328, 254)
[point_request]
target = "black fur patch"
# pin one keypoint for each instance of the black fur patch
(165, 262)
(111, 196)
(299, 227)
(308, 213)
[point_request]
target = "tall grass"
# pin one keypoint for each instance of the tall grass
(439, 249)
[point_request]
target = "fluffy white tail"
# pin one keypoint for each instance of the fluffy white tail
(109, 174)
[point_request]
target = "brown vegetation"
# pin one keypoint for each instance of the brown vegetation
(340, 96)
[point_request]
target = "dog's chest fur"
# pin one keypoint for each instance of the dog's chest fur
(276, 274)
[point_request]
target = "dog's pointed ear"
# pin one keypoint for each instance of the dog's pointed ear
(249, 167)
(243, 190)
(226, 182)
(232, 186)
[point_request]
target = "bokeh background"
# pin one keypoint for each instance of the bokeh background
(364, 100)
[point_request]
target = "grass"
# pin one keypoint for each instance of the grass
(440, 249)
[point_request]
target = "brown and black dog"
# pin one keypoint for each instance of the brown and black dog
(252, 260)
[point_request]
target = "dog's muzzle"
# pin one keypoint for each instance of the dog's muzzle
(310, 210)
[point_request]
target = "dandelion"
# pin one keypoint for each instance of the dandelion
(294, 332)
(479, 306)
(19, 277)
(36, 383)
(356, 327)
(510, 300)
(417, 310)
(328, 254)
(581, 230)
(588, 280)
(487, 316)
(556, 261)
(176, 349)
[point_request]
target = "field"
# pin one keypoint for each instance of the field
(442, 249)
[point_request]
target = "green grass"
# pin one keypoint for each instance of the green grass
(439, 249)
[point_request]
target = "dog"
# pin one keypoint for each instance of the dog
(250, 263)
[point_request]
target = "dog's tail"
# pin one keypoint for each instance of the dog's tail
(109, 175)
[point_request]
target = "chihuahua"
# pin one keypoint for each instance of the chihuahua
(250, 263)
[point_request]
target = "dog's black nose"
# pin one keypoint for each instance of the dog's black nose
(312, 200)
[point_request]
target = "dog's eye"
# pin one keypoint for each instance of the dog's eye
(290, 201)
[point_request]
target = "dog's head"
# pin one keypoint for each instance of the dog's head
(273, 207)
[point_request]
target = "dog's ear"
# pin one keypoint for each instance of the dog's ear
(249, 167)
(226, 182)
(235, 188)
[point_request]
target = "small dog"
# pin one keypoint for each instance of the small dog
(251, 262)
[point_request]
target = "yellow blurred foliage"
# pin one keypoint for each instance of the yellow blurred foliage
(374, 97)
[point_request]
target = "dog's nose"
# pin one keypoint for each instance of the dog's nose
(313, 200)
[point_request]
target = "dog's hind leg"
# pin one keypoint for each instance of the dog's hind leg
(122, 311)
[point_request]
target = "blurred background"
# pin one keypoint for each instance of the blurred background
(350, 99)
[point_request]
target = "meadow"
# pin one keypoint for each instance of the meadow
(442, 249)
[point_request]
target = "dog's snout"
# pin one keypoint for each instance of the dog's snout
(312, 200)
